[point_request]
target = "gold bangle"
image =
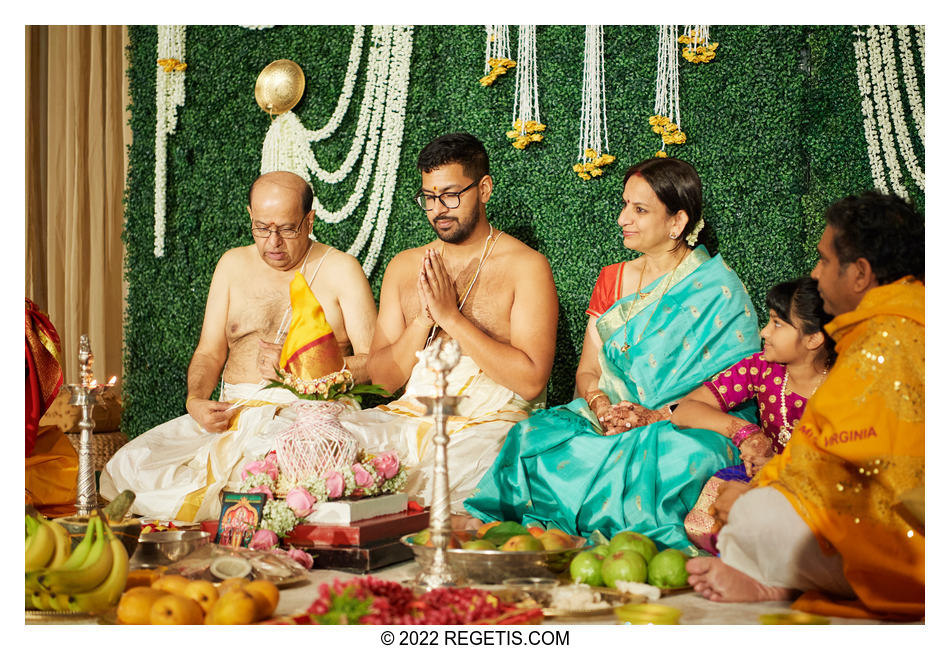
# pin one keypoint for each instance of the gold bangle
(190, 397)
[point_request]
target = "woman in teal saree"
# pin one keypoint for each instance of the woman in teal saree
(659, 326)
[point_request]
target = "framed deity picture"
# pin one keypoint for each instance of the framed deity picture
(241, 514)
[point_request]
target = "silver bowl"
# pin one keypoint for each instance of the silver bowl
(493, 567)
(168, 546)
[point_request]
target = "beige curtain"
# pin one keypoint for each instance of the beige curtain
(76, 136)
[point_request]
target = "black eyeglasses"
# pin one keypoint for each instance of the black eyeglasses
(284, 233)
(451, 200)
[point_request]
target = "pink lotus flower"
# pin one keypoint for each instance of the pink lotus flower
(335, 484)
(386, 465)
(263, 540)
(362, 478)
(300, 501)
(303, 558)
(263, 489)
(270, 465)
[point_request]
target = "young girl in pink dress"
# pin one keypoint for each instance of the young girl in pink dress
(795, 357)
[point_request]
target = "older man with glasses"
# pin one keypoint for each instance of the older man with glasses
(481, 287)
(178, 468)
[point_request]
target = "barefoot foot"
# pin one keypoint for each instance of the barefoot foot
(717, 581)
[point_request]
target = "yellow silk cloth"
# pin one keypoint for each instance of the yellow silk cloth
(310, 350)
(50, 474)
(857, 448)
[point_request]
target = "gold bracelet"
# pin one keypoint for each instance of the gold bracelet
(190, 397)
(598, 394)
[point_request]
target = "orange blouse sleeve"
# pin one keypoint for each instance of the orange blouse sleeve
(606, 290)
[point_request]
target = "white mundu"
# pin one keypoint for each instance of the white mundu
(178, 470)
(476, 434)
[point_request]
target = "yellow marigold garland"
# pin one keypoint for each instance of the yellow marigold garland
(696, 53)
(172, 65)
(498, 68)
(667, 129)
(592, 169)
(531, 133)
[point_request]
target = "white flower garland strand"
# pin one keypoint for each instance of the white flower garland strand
(593, 95)
(667, 101)
(882, 105)
(892, 84)
(867, 109)
(910, 81)
(526, 108)
(287, 128)
(882, 112)
(169, 95)
(287, 145)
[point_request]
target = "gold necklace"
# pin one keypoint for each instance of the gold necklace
(785, 432)
(626, 346)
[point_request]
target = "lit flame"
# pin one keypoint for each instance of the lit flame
(93, 383)
(112, 381)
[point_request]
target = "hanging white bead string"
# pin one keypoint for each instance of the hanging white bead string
(287, 145)
(698, 48)
(169, 95)
(497, 53)
(497, 44)
(666, 107)
(593, 98)
(591, 150)
(525, 117)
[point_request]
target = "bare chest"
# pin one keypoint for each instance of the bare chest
(485, 299)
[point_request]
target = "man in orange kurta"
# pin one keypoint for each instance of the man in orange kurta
(820, 517)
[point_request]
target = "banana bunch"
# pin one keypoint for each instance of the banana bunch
(90, 579)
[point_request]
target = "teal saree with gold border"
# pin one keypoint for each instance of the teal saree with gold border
(557, 469)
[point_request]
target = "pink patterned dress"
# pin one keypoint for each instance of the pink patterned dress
(752, 378)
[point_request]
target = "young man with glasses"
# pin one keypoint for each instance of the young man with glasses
(178, 468)
(473, 283)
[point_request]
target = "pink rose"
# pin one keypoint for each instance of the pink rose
(386, 465)
(303, 558)
(254, 467)
(362, 478)
(262, 489)
(263, 540)
(270, 465)
(335, 484)
(300, 501)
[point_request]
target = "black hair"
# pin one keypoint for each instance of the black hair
(799, 298)
(462, 148)
(306, 194)
(884, 229)
(677, 185)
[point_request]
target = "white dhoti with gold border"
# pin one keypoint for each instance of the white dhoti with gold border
(178, 469)
(476, 433)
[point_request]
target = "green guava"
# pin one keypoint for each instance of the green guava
(667, 570)
(585, 567)
(625, 565)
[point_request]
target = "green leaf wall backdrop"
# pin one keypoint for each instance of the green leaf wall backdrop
(774, 127)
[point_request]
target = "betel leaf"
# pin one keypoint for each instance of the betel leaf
(501, 533)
